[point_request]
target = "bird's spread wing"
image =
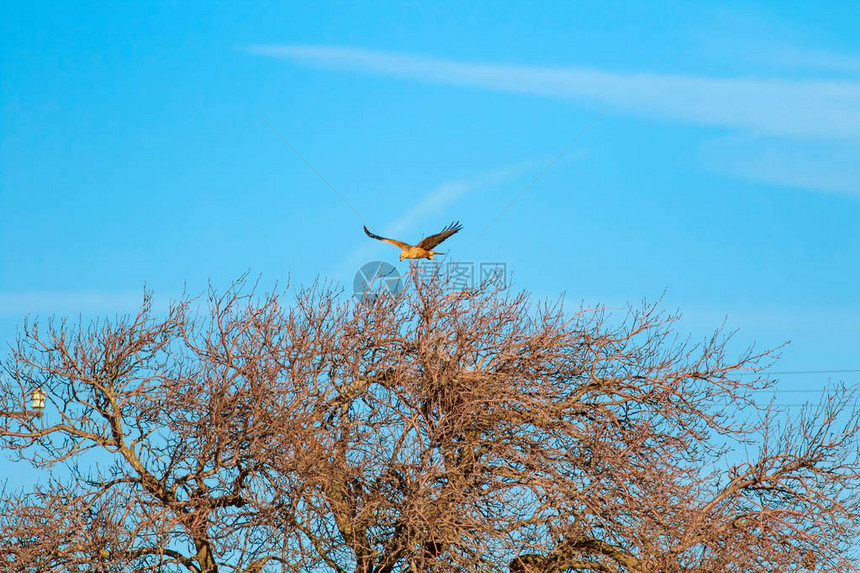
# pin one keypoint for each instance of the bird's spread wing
(394, 242)
(433, 240)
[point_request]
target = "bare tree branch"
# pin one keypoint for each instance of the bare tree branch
(432, 430)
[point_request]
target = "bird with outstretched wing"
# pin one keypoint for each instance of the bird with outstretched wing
(424, 249)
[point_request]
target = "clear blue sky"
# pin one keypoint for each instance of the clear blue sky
(724, 170)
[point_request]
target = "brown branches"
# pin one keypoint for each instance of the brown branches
(424, 431)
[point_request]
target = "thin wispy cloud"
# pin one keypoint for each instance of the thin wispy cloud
(438, 200)
(17, 304)
(823, 165)
(433, 203)
(805, 59)
(827, 109)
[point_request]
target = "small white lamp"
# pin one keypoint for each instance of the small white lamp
(37, 399)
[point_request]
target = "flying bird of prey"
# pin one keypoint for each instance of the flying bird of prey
(424, 249)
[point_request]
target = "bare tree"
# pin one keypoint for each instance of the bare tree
(430, 430)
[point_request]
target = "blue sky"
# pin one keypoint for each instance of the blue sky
(724, 169)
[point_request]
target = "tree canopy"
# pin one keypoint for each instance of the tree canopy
(429, 430)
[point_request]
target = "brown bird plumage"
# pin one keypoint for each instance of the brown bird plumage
(424, 249)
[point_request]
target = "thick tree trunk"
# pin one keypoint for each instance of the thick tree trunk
(205, 557)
